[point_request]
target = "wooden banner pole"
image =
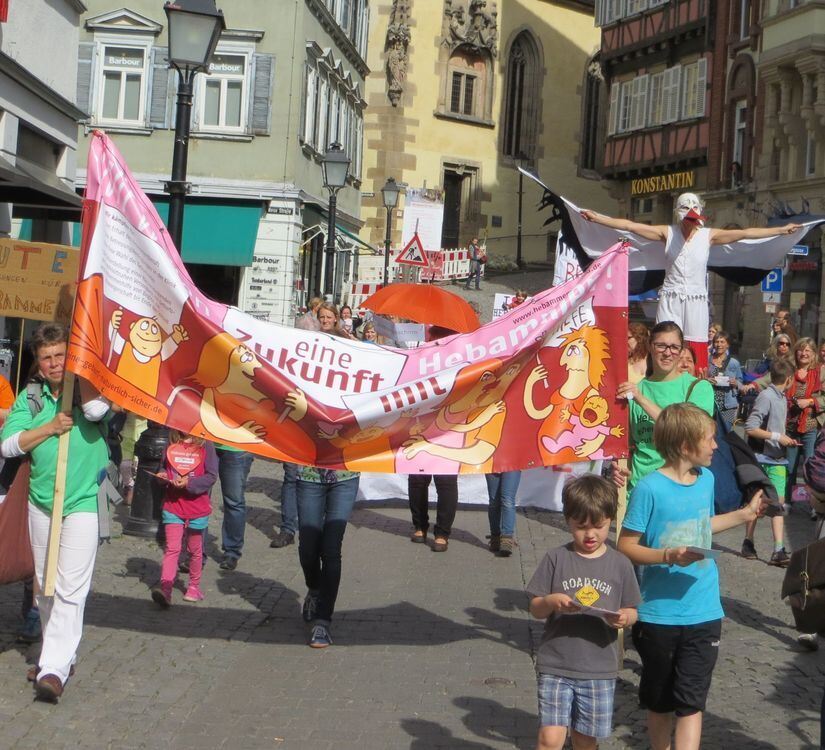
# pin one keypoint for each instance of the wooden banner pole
(621, 509)
(53, 550)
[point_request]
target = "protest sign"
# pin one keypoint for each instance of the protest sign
(513, 394)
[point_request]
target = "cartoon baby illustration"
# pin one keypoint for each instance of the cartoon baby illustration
(144, 351)
(575, 420)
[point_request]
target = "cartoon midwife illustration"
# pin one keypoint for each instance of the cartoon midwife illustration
(575, 420)
(467, 429)
(484, 413)
(142, 354)
(232, 410)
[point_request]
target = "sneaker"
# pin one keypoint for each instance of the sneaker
(162, 596)
(808, 641)
(505, 547)
(495, 542)
(228, 563)
(193, 594)
(748, 550)
(310, 606)
(780, 559)
(31, 632)
(320, 637)
(282, 539)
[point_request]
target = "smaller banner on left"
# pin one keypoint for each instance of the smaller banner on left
(37, 280)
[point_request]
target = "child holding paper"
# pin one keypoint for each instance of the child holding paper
(587, 592)
(669, 522)
(765, 428)
(190, 469)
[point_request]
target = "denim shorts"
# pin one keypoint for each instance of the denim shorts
(583, 705)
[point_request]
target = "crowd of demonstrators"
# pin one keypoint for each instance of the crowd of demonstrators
(32, 429)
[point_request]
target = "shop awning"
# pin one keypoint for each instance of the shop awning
(218, 234)
(36, 192)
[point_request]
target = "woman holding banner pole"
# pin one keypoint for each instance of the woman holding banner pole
(33, 426)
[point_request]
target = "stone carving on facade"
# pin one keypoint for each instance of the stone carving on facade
(474, 26)
(396, 49)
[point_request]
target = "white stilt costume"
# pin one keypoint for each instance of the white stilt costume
(683, 297)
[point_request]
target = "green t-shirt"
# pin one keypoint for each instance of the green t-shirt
(88, 455)
(662, 393)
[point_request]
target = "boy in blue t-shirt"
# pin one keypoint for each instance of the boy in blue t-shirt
(669, 521)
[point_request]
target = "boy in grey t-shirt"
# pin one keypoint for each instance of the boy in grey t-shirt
(587, 591)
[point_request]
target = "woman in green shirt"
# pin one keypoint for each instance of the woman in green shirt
(665, 385)
(34, 430)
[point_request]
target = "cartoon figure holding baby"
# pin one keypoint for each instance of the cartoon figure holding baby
(575, 421)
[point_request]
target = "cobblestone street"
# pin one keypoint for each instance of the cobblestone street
(431, 651)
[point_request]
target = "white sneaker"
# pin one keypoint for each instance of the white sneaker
(809, 641)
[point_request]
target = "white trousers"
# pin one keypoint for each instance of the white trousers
(61, 615)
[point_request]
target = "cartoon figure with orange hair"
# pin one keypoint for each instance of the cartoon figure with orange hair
(144, 351)
(575, 419)
(232, 411)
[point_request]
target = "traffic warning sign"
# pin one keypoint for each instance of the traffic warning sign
(413, 254)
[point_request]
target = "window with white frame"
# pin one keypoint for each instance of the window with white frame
(638, 102)
(222, 95)
(670, 95)
(694, 89)
(610, 11)
(655, 100)
(122, 84)
(740, 129)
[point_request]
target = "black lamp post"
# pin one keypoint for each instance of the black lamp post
(389, 193)
(335, 166)
(194, 27)
(519, 260)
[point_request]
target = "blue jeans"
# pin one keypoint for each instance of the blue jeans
(289, 499)
(233, 469)
(794, 463)
(475, 271)
(501, 489)
(323, 512)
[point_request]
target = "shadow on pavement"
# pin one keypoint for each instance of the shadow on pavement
(369, 519)
(505, 629)
(490, 720)
(427, 735)
(744, 614)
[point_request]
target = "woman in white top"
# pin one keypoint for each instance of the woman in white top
(683, 297)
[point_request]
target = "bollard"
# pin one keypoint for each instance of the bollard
(144, 513)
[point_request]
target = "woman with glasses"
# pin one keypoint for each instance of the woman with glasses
(683, 297)
(665, 385)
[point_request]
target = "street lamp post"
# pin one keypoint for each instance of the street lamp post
(194, 27)
(389, 193)
(519, 260)
(335, 166)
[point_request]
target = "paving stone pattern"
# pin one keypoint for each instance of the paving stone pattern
(431, 650)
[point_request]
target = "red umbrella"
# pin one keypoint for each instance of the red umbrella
(424, 303)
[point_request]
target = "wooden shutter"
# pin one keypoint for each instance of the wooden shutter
(701, 86)
(654, 100)
(262, 78)
(671, 102)
(158, 85)
(638, 110)
(85, 77)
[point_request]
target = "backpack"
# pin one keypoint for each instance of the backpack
(813, 470)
